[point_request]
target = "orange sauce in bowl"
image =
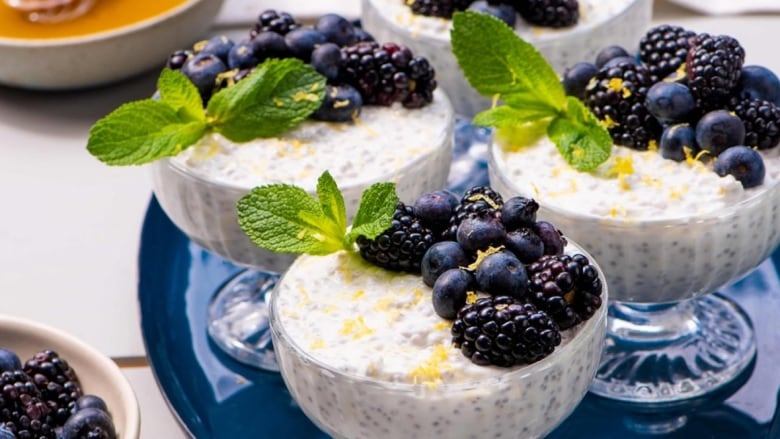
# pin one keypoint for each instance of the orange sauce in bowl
(105, 15)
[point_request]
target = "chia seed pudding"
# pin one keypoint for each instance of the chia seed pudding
(601, 23)
(664, 232)
(199, 188)
(364, 354)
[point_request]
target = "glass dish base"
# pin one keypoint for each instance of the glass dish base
(238, 319)
(670, 358)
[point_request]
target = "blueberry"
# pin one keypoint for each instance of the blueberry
(303, 41)
(502, 274)
(440, 257)
(577, 77)
(675, 139)
(336, 29)
(670, 102)
(362, 35)
(326, 59)
(758, 82)
(502, 11)
(342, 103)
(553, 241)
(6, 433)
(242, 56)
(91, 401)
(269, 45)
(450, 292)
(178, 58)
(745, 164)
(9, 361)
(89, 422)
(202, 69)
(434, 209)
(609, 53)
(219, 46)
(718, 130)
(519, 212)
(525, 244)
(480, 232)
(619, 60)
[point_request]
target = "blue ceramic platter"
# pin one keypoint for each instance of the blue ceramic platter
(216, 397)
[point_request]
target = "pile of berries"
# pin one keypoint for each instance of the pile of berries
(496, 271)
(358, 69)
(547, 13)
(42, 399)
(689, 95)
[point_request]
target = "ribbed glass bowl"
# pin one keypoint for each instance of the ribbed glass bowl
(524, 401)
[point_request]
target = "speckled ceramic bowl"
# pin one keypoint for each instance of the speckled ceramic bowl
(104, 57)
(97, 373)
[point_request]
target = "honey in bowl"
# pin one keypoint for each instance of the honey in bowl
(103, 16)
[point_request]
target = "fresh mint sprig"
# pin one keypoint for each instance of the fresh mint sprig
(275, 97)
(501, 65)
(286, 219)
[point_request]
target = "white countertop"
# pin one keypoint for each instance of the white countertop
(70, 226)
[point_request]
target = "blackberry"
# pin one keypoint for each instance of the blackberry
(273, 21)
(663, 49)
(713, 66)
(177, 59)
(438, 8)
(761, 119)
(504, 332)
(477, 201)
(549, 13)
(60, 387)
(387, 73)
(22, 408)
(567, 287)
(616, 95)
(402, 246)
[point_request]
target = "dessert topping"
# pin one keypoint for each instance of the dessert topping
(497, 62)
(265, 104)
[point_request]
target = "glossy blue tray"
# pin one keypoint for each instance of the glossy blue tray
(216, 397)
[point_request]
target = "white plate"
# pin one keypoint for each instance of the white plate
(722, 7)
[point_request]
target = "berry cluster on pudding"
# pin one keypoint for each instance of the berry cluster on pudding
(687, 94)
(546, 13)
(42, 398)
(359, 70)
(424, 307)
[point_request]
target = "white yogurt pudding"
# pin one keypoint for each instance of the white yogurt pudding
(602, 23)
(365, 355)
(663, 230)
(199, 188)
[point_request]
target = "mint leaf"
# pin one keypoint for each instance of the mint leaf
(180, 93)
(286, 219)
(580, 138)
(332, 203)
(506, 116)
(275, 97)
(497, 62)
(142, 132)
(375, 213)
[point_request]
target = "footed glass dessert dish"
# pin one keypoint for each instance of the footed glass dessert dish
(671, 342)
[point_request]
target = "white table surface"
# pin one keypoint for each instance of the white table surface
(70, 226)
